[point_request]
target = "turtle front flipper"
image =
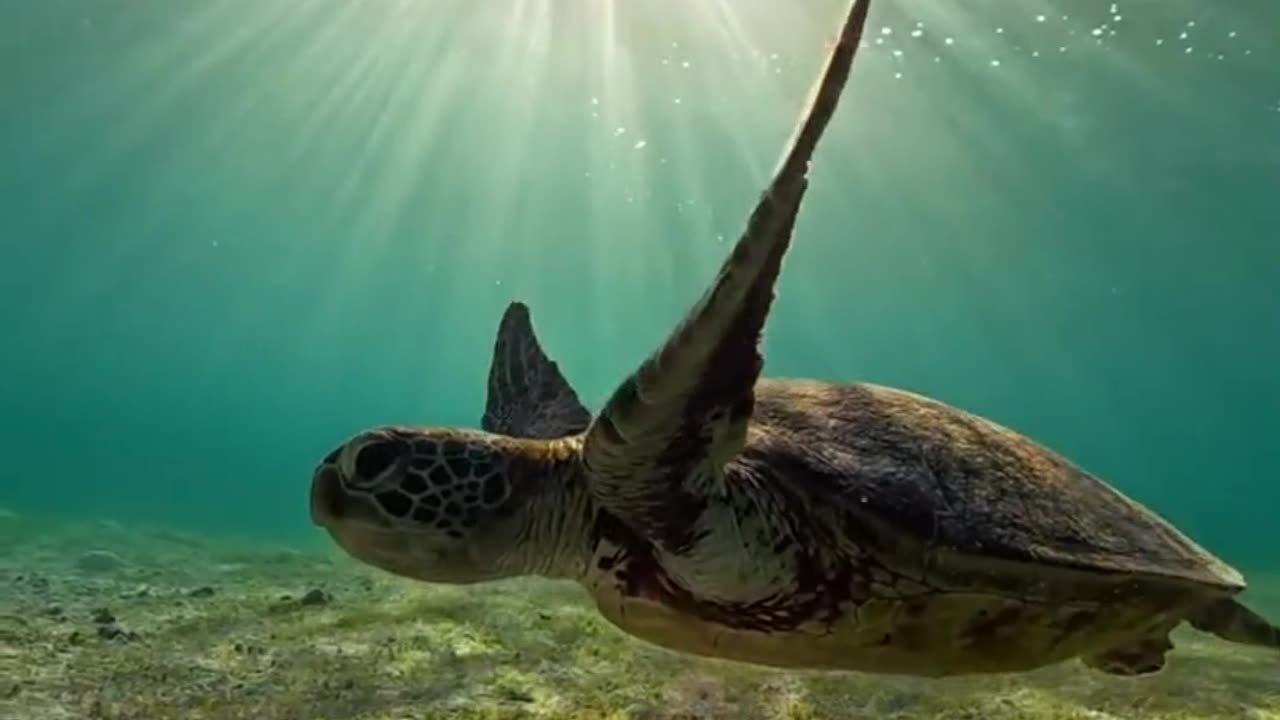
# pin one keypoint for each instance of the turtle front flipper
(528, 396)
(665, 434)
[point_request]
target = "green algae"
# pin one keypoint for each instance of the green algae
(211, 629)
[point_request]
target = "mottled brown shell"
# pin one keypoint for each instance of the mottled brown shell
(963, 486)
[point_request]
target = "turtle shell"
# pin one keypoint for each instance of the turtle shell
(911, 471)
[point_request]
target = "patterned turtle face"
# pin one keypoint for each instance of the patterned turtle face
(415, 502)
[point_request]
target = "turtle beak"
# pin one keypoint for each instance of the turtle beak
(326, 496)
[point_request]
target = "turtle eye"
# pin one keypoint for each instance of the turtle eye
(374, 458)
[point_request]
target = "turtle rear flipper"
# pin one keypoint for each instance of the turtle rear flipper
(1232, 621)
(527, 394)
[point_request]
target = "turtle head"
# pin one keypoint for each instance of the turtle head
(431, 504)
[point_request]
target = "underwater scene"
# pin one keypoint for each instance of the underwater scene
(677, 359)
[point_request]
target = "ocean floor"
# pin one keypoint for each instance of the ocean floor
(101, 621)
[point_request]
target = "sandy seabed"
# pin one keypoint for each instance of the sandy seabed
(99, 621)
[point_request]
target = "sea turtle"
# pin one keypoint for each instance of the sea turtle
(788, 523)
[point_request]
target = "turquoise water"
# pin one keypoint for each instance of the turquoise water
(235, 232)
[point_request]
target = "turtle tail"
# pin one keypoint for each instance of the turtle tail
(1232, 621)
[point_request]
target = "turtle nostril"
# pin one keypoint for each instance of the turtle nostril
(373, 459)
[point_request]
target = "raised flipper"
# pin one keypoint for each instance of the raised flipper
(662, 439)
(528, 396)
(1230, 620)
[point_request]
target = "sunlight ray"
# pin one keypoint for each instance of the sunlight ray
(519, 76)
(130, 96)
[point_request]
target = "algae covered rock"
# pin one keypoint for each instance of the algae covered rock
(99, 561)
